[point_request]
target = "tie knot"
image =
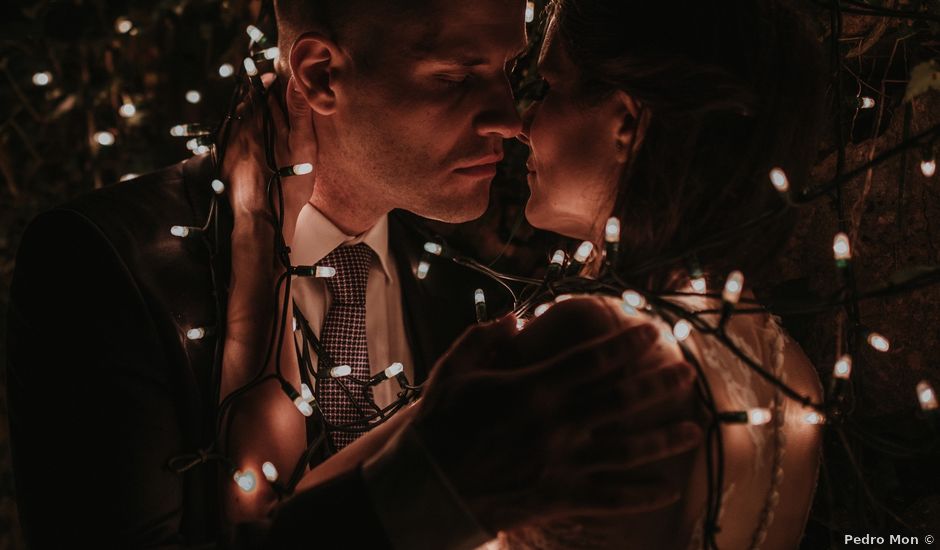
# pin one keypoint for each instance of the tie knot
(352, 264)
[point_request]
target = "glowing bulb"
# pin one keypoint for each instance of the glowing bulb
(778, 178)
(104, 138)
(634, 299)
(226, 70)
(529, 11)
(542, 308)
(520, 323)
(179, 231)
(218, 186)
(562, 297)
(269, 471)
(584, 250)
(612, 231)
(558, 258)
(123, 25)
(129, 176)
(305, 392)
(813, 418)
(250, 68)
(843, 368)
(433, 248)
(272, 53)
(840, 247)
(479, 297)
(879, 342)
(340, 371)
(325, 272)
(193, 96)
(866, 102)
(127, 110)
(245, 480)
(629, 310)
(196, 333)
(681, 330)
(394, 370)
(255, 33)
(423, 268)
(303, 168)
(178, 131)
(733, 286)
(191, 144)
(201, 149)
(758, 416)
(302, 406)
(928, 167)
(926, 396)
(699, 285)
(42, 79)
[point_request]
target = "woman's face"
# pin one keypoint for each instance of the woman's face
(578, 149)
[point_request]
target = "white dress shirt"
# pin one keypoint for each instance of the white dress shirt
(314, 238)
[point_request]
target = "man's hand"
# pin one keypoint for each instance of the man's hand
(541, 441)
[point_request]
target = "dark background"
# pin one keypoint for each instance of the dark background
(881, 478)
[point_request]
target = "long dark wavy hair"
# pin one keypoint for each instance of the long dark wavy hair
(732, 89)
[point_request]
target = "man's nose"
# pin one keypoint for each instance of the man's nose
(499, 115)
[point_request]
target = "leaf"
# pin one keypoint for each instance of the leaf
(910, 273)
(924, 76)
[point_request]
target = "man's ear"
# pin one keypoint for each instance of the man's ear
(314, 61)
(633, 126)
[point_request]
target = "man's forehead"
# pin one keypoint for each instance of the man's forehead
(467, 31)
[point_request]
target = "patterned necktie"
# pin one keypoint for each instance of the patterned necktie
(344, 338)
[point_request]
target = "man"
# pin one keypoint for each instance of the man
(403, 118)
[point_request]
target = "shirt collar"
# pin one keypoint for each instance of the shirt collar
(316, 236)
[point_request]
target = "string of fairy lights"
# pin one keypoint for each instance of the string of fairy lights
(563, 278)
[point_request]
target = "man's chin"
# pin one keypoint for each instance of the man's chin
(461, 206)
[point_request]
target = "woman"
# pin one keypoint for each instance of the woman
(669, 116)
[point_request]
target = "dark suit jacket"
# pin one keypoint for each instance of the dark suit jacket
(104, 386)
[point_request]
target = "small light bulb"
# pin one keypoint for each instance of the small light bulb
(529, 11)
(479, 297)
(123, 25)
(272, 53)
(733, 286)
(840, 247)
(305, 392)
(218, 186)
(226, 70)
(245, 480)
(778, 178)
(928, 167)
(699, 285)
(302, 406)
(394, 370)
(423, 268)
(193, 96)
(325, 272)
(178, 131)
(542, 308)
(250, 68)
(196, 333)
(42, 79)
(759, 416)
(255, 33)
(681, 330)
(866, 102)
(926, 396)
(634, 299)
(270, 472)
(843, 368)
(179, 231)
(612, 231)
(127, 110)
(520, 323)
(878, 342)
(191, 144)
(104, 138)
(340, 371)
(558, 258)
(433, 248)
(201, 149)
(129, 176)
(584, 250)
(303, 168)
(813, 418)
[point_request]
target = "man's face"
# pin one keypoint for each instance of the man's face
(421, 123)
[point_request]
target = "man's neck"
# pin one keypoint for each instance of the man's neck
(347, 204)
